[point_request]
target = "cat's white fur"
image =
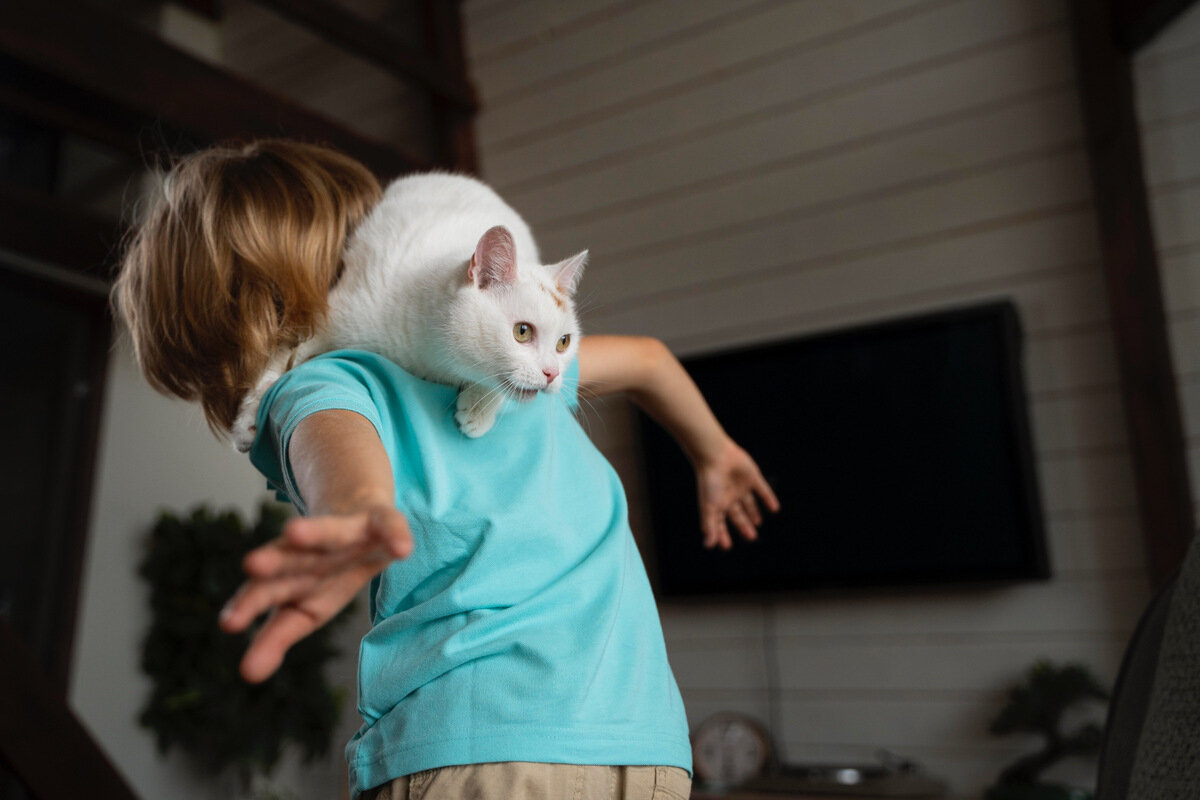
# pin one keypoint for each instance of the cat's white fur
(435, 279)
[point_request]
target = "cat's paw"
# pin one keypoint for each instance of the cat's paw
(477, 409)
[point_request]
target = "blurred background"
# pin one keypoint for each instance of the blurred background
(742, 172)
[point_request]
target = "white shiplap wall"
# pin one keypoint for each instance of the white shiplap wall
(1168, 96)
(743, 171)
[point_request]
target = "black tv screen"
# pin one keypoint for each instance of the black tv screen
(900, 452)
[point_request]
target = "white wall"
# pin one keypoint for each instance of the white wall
(1168, 96)
(157, 454)
(750, 170)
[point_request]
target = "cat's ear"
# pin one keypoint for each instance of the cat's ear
(494, 260)
(567, 273)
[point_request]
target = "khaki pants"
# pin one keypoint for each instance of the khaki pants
(519, 780)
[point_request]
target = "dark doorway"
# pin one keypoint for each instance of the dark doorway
(54, 336)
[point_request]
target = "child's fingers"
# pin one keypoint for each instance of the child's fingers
(724, 540)
(390, 528)
(387, 527)
(286, 626)
(284, 560)
(325, 544)
(258, 596)
(281, 575)
(764, 490)
(710, 525)
(719, 530)
(741, 520)
(291, 623)
(279, 558)
(750, 506)
(706, 523)
(326, 533)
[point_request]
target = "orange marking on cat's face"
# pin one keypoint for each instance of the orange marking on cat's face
(559, 301)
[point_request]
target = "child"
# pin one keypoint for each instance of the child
(515, 649)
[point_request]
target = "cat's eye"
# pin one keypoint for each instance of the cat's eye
(564, 342)
(522, 332)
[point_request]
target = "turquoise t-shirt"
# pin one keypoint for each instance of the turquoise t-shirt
(522, 627)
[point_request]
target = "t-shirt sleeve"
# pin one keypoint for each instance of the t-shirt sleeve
(323, 384)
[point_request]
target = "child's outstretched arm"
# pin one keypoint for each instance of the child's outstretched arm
(729, 482)
(321, 561)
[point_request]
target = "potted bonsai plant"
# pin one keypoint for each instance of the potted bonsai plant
(1037, 705)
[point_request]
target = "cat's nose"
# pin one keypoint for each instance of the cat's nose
(550, 374)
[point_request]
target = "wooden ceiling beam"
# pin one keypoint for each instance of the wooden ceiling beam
(146, 83)
(368, 40)
(205, 8)
(53, 104)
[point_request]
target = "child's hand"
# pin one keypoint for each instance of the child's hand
(306, 576)
(728, 482)
(728, 478)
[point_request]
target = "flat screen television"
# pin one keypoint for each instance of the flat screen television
(900, 451)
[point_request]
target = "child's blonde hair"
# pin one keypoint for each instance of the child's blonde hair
(234, 260)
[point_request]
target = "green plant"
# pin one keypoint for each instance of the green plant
(199, 702)
(1037, 705)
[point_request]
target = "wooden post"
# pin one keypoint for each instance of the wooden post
(41, 740)
(455, 131)
(1152, 414)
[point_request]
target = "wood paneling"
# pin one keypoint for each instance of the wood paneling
(712, 96)
(749, 172)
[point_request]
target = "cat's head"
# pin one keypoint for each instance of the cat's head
(512, 325)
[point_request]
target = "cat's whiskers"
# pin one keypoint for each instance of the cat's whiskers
(587, 305)
(450, 364)
(588, 413)
(503, 386)
(499, 389)
(577, 412)
(592, 396)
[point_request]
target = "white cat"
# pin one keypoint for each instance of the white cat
(443, 278)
